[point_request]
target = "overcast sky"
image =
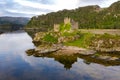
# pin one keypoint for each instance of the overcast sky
(29, 8)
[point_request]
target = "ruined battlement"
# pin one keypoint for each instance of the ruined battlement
(74, 24)
(67, 20)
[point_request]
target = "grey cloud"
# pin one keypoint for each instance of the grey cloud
(6, 13)
(11, 5)
(6, 5)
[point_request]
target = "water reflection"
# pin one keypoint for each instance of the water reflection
(69, 60)
(16, 65)
(9, 42)
(77, 68)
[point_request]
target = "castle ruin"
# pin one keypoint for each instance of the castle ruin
(74, 25)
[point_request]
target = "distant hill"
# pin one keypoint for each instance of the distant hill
(13, 23)
(87, 17)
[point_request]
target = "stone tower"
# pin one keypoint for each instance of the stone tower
(56, 27)
(67, 20)
(74, 24)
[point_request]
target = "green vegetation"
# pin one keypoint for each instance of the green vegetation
(64, 34)
(83, 41)
(49, 38)
(88, 40)
(65, 27)
(89, 17)
(71, 34)
(106, 36)
(70, 37)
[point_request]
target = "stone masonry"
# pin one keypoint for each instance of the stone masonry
(74, 25)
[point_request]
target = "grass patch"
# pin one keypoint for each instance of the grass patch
(71, 33)
(83, 41)
(108, 36)
(50, 39)
(65, 27)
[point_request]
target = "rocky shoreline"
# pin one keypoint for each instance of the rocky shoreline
(65, 41)
(66, 50)
(100, 43)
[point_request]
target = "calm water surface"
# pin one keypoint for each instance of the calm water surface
(16, 65)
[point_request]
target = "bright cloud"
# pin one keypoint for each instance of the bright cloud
(37, 7)
(58, 4)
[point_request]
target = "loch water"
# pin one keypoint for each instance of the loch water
(15, 64)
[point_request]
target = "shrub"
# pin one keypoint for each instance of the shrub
(49, 38)
(65, 27)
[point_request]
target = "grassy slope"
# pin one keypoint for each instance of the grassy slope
(87, 40)
(83, 41)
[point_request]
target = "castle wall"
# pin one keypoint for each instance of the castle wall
(74, 25)
(56, 27)
(67, 20)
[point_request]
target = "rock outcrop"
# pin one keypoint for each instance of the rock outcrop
(106, 44)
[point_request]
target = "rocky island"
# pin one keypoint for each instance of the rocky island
(67, 39)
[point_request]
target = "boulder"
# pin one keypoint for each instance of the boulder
(87, 52)
(108, 58)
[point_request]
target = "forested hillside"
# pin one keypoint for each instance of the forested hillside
(87, 17)
(13, 22)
